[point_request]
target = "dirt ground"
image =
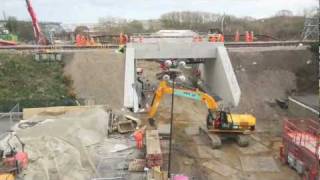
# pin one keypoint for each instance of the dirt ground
(97, 75)
(263, 76)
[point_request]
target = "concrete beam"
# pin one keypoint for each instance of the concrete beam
(178, 50)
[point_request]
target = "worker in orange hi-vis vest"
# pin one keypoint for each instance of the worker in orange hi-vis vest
(122, 39)
(122, 43)
(83, 41)
(237, 37)
(251, 36)
(221, 38)
(92, 42)
(78, 40)
(213, 39)
(138, 136)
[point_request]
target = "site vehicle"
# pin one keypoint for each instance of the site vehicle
(7, 39)
(301, 147)
(219, 124)
(12, 162)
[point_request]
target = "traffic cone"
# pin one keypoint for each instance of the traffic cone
(247, 36)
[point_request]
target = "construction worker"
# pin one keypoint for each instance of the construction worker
(221, 38)
(78, 40)
(92, 42)
(122, 43)
(138, 136)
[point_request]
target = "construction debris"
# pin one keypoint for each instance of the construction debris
(58, 146)
(121, 123)
(137, 165)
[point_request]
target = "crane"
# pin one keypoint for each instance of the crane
(40, 38)
(220, 124)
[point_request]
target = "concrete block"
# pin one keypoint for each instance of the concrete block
(258, 164)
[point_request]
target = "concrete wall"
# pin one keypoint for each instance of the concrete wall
(220, 77)
(218, 70)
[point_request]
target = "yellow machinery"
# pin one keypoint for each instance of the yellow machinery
(7, 176)
(220, 124)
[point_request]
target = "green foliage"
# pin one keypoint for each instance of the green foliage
(25, 31)
(81, 30)
(12, 25)
(23, 79)
(284, 26)
(116, 25)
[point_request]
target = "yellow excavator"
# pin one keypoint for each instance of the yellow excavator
(220, 124)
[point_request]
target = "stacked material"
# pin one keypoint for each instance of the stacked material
(154, 154)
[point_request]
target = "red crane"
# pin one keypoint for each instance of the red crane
(41, 39)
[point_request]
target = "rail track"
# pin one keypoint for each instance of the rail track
(114, 46)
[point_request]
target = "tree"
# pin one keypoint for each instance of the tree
(284, 12)
(12, 25)
(81, 30)
(134, 27)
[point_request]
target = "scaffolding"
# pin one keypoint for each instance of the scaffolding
(311, 26)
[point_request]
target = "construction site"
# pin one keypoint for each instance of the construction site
(174, 104)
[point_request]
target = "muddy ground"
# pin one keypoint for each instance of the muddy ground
(263, 76)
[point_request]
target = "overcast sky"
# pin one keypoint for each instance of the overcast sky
(89, 11)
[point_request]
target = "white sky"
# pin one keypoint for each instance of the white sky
(89, 11)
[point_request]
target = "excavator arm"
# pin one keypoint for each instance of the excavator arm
(195, 95)
(217, 119)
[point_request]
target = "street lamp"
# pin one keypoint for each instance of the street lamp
(174, 74)
(173, 77)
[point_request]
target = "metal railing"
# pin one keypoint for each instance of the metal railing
(13, 115)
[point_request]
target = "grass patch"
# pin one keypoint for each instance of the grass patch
(24, 80)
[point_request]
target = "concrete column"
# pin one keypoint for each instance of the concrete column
(130, 94)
